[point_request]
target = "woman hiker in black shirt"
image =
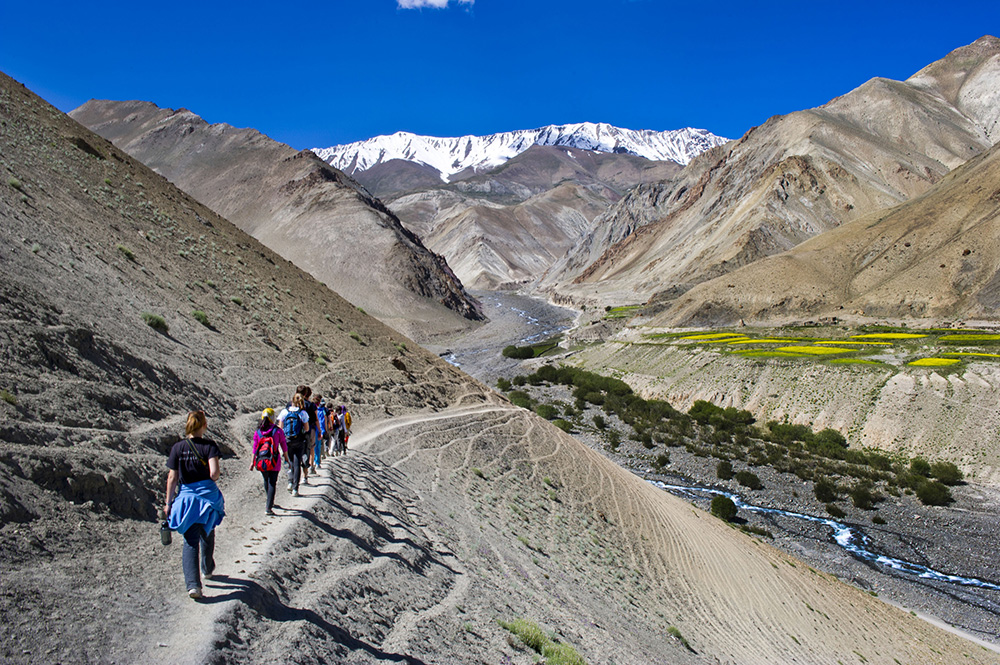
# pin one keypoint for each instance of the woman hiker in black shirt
(199, 507)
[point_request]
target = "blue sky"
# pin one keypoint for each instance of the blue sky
(317, 73)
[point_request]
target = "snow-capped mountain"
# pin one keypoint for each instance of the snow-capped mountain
(454, 155)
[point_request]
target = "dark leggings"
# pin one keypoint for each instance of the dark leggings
(270, 482)
(194, 538)
(296, 458)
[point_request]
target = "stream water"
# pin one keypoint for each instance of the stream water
(848, 537)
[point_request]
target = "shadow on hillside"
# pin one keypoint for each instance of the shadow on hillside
(270, 607)
(378, 529)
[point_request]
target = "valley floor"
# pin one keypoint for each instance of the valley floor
(958, 539)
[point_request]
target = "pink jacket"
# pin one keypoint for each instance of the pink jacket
(279, 437)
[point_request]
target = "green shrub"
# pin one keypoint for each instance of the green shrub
(126, 252)
(518, 352)
(862, 497)
(478, 472)
(835, 511)
(519, 380)
(200, 317)
(947, 473)
(877, 520)
(661, 461)
(614, 439)
(521, 399)
(724, 470)
(547, 411)
(748, 479)
(831, 436)
(934, 493)
(826, 490)
(15, 183)
(920, 466)
(156, 322)
(8, 397)
(724, 508)
(236, 301)
(503, 384)
(599, 421)
(564, 425)
(356, 337)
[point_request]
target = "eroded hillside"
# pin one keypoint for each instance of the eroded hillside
(793, 178)
(299, 206)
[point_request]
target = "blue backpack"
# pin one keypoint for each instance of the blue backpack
(321, 414)
(292, 426)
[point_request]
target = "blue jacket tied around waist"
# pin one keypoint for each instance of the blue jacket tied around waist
(197, 503)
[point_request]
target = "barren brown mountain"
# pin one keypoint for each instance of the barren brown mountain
(299, 206)
(506, 227)
(791, 179)
(936, 257)
(452, 511)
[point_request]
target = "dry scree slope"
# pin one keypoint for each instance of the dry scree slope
(299, 206)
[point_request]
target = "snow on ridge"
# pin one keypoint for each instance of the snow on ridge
(452, 155)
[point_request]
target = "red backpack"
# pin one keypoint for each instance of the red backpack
(267, 457)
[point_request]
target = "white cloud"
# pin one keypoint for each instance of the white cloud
(436, 4)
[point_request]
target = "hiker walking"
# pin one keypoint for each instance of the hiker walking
(312, 434)
(323, 436)
(340, 429)
(269, 448)
(294, 422)
(193, 465)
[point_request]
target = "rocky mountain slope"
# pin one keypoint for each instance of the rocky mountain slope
(293, 202)
(936, 257)
(788, 180)
(454, 158)
(454, 510)
(507, 226)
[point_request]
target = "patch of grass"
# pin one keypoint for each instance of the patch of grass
(236, 301)
(713, 336)
(675, 633)
(156, 322)
(970, 338)
(201, 317)
(8, 397)
(357, 338)
(934, 362)
(813, 350)
(889, 335)
(127, 253)
(15, 183)
(476, 471)
(852, 361)
(555, 653)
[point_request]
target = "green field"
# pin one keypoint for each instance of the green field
(935, 348)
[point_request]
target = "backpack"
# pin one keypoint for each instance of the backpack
(321, 415)
(347, 419)
(292, 426)
(267, 456)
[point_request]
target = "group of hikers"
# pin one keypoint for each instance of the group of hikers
(304, 432)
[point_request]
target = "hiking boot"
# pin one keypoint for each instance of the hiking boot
(195, 593)
(295, 492)
(290, 487)
(269, 512)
